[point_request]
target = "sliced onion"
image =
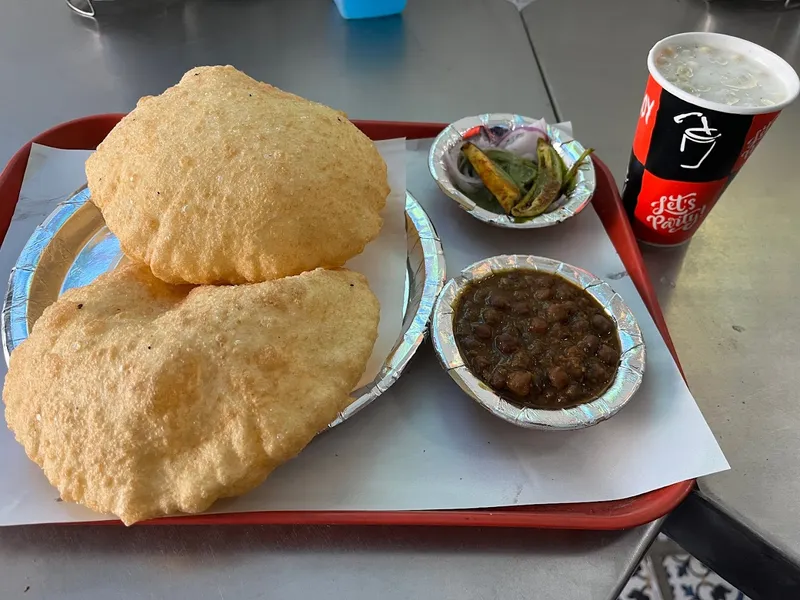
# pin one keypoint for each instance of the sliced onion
(462, 181)
(523, 141)
(539, 126)
(484, 139)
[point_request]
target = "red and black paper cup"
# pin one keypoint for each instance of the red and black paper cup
(687, 150)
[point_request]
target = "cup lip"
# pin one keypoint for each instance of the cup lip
(768, 58)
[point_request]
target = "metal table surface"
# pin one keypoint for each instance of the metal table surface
(409, 68)
(730, 296)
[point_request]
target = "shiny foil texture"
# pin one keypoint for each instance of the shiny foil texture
(73, 246)
(630, 369)
(567, 148)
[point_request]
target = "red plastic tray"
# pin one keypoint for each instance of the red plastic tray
(88, 132)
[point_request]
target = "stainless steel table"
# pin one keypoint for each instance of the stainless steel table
(731, 296)
(413, 67)
(54, 67)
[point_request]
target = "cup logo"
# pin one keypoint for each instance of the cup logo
(703, 135)
(675, 213)
(692, 143)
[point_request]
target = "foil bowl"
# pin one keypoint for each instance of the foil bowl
(567, 148)
(425, 275)
(630, 369)
(73, 246)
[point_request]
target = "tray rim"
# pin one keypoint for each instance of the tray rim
(88, 132)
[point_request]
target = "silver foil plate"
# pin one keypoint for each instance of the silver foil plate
(73, 246)
(630, 369)
(567, 148)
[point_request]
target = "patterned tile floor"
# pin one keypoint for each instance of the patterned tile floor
(669, 573)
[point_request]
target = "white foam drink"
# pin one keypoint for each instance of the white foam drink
(720, 75)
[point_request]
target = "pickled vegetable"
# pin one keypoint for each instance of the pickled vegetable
(515, 171)
(548, 184)
(496, 180)
(521, 170)
(569, 176)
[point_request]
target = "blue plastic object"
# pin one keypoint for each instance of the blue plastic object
(368, 9)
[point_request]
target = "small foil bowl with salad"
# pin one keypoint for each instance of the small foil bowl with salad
(538, 343)
(513, 171)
